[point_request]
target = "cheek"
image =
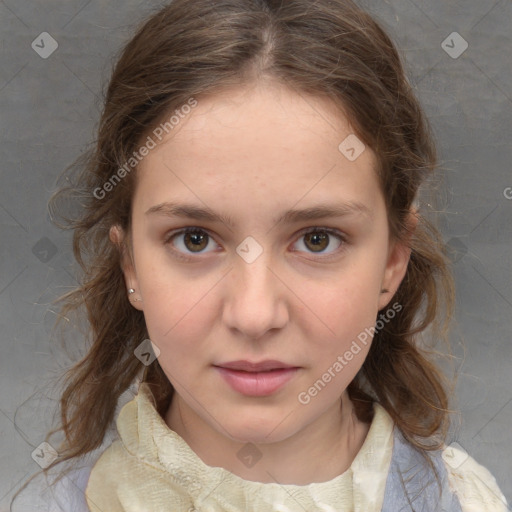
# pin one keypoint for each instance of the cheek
(178, 310)
(177, 328)
(343, 306)
(171, 314)
(339, 334)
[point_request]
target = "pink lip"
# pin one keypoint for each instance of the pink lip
(256, 379)
(262, 366)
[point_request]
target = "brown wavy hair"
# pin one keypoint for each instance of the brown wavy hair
(190, 48)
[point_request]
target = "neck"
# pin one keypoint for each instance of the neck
(300, 459)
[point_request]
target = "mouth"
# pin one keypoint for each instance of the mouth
(256, 379)
(263, 366)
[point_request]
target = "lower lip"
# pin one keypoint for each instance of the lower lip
(257, 383)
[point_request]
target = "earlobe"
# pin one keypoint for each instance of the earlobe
(117, 237)
(133, 298)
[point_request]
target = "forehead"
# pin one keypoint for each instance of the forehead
(262, 109)
(257, 143)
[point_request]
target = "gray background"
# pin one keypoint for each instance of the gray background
(49, 108)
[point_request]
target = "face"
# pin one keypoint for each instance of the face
(264, 273)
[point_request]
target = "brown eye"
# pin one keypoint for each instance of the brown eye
(317, 241)
(322, 241)
(196, 241)
(189, 241)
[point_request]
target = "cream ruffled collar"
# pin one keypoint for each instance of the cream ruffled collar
(146, 436)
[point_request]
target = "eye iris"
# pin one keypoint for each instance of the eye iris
(198, 239)
(319, 240)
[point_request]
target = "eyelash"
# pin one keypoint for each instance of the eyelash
(330, 231)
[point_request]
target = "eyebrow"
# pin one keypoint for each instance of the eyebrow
(320, 211)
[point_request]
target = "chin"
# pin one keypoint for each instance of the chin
(260, 430)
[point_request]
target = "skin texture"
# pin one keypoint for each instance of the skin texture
(253, 153)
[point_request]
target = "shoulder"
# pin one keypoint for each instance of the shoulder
(465, 485)
(473, 484)
(45, 494)
(68, 494)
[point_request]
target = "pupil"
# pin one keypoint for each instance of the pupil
(197, 240)
(318, 239)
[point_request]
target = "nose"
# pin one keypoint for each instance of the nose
(255, 300)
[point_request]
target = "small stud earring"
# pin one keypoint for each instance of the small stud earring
(130, 291)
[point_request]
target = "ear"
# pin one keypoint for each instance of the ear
(396, 265)
(118, 237)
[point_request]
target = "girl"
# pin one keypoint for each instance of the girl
(256, 266)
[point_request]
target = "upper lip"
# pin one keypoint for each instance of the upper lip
(248, 366)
